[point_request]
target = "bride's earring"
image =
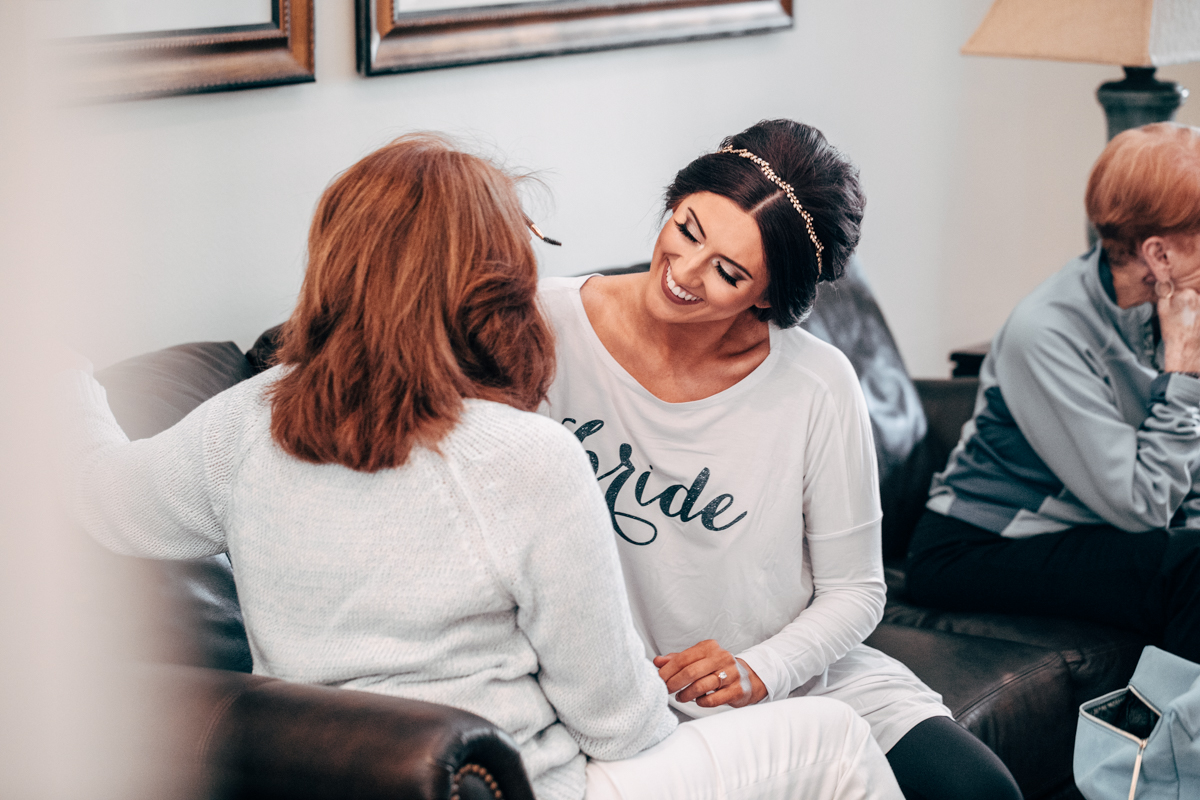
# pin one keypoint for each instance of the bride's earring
(1164, 290)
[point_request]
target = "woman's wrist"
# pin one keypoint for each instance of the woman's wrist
(1181, 359)
(756, 689)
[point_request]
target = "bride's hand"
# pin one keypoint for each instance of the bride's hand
(695, 674)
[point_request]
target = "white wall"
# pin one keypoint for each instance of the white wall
(187, 216)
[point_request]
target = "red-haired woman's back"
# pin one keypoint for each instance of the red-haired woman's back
(471, 576)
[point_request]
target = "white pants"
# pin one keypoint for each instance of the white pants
(807, 748)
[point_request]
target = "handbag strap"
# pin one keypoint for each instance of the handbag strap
(1137, 768)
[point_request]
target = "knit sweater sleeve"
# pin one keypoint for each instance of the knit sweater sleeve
(161, 497)
(552, 548)
(1132, 477)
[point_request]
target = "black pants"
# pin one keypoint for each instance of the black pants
(1144, 582)
(938, 760)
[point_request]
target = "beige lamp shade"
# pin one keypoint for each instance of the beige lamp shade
(1129, 33)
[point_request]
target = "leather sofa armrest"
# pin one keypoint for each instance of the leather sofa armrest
(264, 738)
(948, 404)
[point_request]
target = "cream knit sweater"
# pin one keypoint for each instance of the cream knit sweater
(484, 578)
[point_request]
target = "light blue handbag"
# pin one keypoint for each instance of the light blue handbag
(1143, 741)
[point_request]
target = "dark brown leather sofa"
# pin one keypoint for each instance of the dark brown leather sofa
(1015, 682)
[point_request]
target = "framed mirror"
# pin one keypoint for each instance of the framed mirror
(408, 35)
(132, 49)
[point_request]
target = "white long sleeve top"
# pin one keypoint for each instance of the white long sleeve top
(750, 517)
(484, 578)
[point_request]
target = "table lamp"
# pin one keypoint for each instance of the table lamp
(1138, 35)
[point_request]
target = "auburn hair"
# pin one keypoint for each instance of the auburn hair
(420, 291)
(1145, 183)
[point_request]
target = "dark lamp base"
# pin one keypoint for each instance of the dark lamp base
(1139, 100)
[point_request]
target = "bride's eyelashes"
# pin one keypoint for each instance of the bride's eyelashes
(725, 276)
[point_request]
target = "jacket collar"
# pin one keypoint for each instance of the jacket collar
(1134, 325)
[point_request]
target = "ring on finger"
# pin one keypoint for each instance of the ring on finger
(720, 676)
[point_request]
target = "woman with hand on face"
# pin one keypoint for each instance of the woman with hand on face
(1073, 491)
(736, 458)
(400, 522)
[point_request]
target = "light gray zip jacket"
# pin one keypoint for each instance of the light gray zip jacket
(1074, 422)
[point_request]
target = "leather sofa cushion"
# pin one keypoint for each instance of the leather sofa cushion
(948, 404)
(148, 394)
(846, 315)
(1098, 657)
(151, 392)
(261, 354)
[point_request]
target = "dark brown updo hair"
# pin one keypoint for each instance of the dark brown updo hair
(824, 181)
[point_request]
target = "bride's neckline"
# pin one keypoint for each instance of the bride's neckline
(743, 384)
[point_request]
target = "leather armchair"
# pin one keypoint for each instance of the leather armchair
(273, 739)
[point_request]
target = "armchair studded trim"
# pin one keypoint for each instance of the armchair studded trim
(465, 774)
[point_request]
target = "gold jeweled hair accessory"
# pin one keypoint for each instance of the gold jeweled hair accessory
(791, 195)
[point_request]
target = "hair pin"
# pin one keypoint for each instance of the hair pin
(537, 232)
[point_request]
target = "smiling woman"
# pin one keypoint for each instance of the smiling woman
(750, 538)
(694, 253)
(736, 233)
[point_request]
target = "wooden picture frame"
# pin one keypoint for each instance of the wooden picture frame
(143, 65)
(388, 42)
